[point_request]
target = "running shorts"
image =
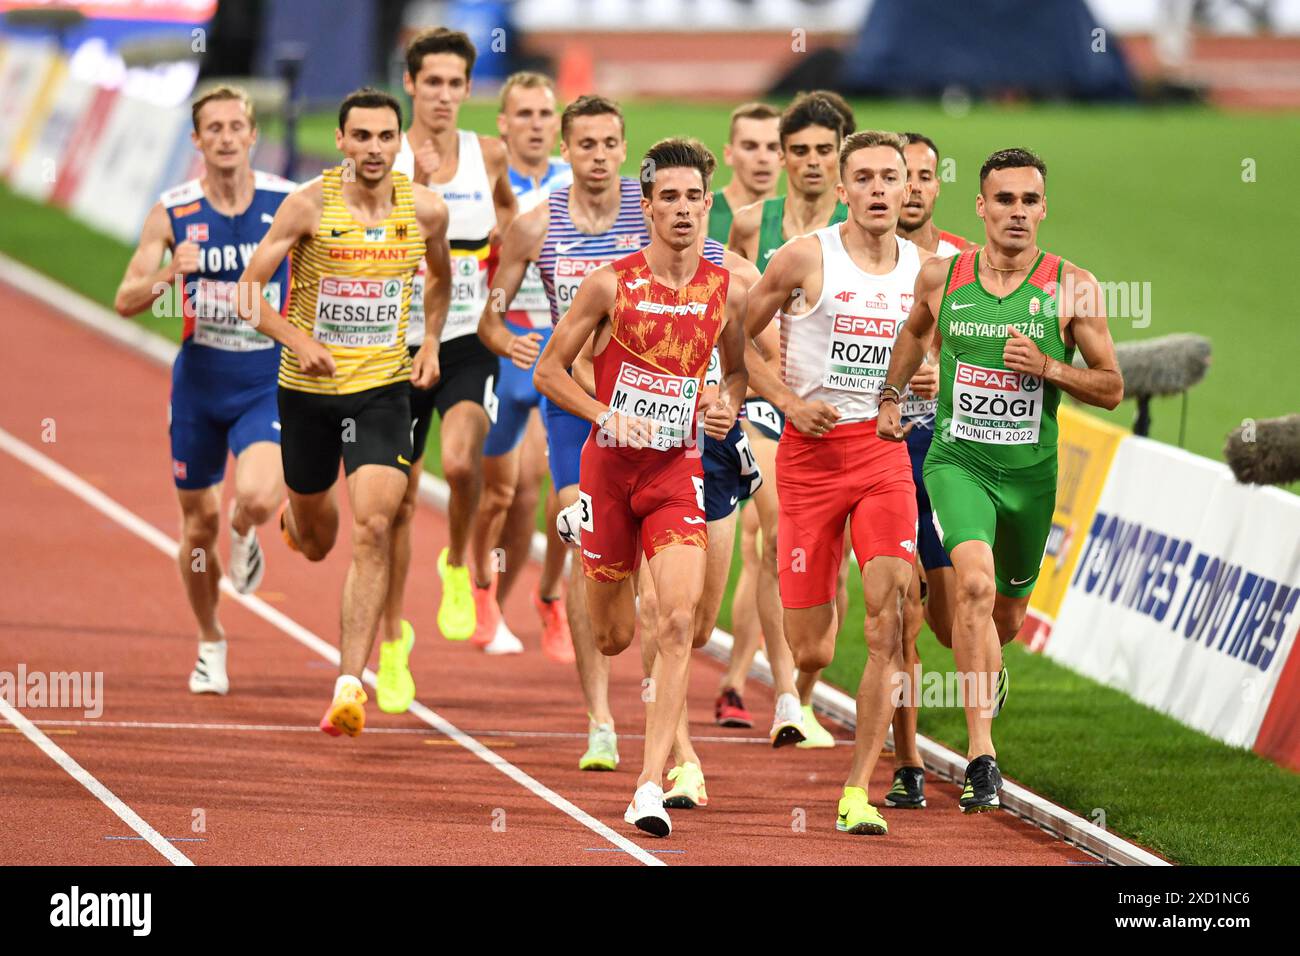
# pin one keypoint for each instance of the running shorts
(928, 544)
(364, 428)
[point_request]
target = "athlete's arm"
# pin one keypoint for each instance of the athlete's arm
(1083, 314)
(431, 213)
(584, 367)
(145, 280)
(721, 414)
(522, 245)
(743, 239)
(911, 345)
(296, 219)
(498, 169)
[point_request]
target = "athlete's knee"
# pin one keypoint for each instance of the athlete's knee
(258, 506)
(976, 590)
(613, 637)
(1008, 618)
(315, 549)
(458, 466)
(404, 515)
(812, 656)
(677, 628)
(913, 617)
(201, 526)
(372, 533)
(498, 496)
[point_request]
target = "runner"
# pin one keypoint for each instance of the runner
(929, 598)
(470, 173)
(223, 381)
(812, 129)
(657, 315)
(843, 292)
(579, 229)
(499, 543)
(1009, 317)
(356, 235)
(753, 151)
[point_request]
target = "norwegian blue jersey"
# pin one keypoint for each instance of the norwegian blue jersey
(530, 308)
(569, 256)
(217, 344)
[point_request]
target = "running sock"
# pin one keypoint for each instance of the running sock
(345, 680)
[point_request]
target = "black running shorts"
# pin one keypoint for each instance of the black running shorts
(365, 428)
(467, 373)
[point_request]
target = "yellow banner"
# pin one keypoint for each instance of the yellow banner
(1085, 450)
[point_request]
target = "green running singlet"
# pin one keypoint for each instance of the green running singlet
(771, 236)
(720, 216)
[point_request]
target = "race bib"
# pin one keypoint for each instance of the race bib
(713, 374)
(569, 274)
(358, 312)
(748, 464)
(914, 406)
(859, 351)
(762, 412)
(216, 319)
(531, 298)
(469, 292)
(995, 406)
(667, 400)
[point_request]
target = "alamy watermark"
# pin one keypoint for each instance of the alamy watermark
(76, 690)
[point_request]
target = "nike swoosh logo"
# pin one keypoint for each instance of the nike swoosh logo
(769, 254)
(734, 499)
(1015, 583)
(339, 232)
(965, 305)
(403, 461)
(267, 218)
(562, 247)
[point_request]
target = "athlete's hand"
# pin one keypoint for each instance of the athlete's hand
(888, 423)
(624, 431)
(813, 418)
(185, 258)
(925, 383)
(314, 359)
(525, 348)
(719, 418)
(427, 162)
(1020, 354)
(425, 370)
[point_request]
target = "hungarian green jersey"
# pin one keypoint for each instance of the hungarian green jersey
(988, 414)
(771, 232)
(720, 216)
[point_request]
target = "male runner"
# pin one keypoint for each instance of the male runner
(811, 131)
(356, 235)
(657, 315)
(843, 292)
(470, 173)
(579, 229)
(933, 578)
(223, 381)
(753, 151)
(530, 126)
(1009, 317)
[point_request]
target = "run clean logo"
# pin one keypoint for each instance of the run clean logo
(73, 909)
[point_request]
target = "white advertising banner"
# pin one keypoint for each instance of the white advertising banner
(1185, 593)
(35, 174)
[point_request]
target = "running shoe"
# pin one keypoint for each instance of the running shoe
(284, 529)
(787, 724)
(557, 642)
(568, 524)
(347, 715)
(688, 788)
(456, 615)
(729, 710)
(209, 674)
(247, 566)
(859, 817)
(983, 781)
(504, 641)
(1002, 692)
(602, 749)
(487, 614)
(816, 737)
(646, 811)
(395, 687)
(908, 791)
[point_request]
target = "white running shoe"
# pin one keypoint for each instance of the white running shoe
(568, 524)
(787, 724)
(247, 565)
(646, 811)
(504, 642)
(209, 676)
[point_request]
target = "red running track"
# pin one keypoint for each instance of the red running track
(247, 779)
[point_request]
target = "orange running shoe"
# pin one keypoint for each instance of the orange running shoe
(347, 715)
(487, 614)
(557, 642)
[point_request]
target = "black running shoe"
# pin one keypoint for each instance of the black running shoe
(908, 791)
(1002, 691)
(983, 781)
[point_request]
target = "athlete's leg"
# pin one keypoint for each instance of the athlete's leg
(464, 427)
(647, 629)
(197, 557)
(939, 603)
(1009, 616)
(312, 523)
(259, 485)
(399, 550)
(516, 536)
(975, 646)
(744, 608)
(907, 693)
(770, 612)
(548, 583)
(376, 493)
(500, 473)
(593, 666)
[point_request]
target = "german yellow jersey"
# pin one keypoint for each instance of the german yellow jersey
(350, 290)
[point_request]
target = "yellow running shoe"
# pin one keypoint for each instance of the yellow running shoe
(395, 688)
(815, 736)
(347, 715)
(602, 749)
(456, 617)
(688, 788)
(858, 816)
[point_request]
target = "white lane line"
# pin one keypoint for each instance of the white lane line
(84, 777)
(138, 526)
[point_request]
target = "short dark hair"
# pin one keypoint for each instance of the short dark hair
(368, 98)
(1013, 158)
(867, 138)
(811, 109)
(842, 107)
(217, 94)
(439, 40)
(755, 110)
(588, 105)
(676, 153)
(911, 138)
